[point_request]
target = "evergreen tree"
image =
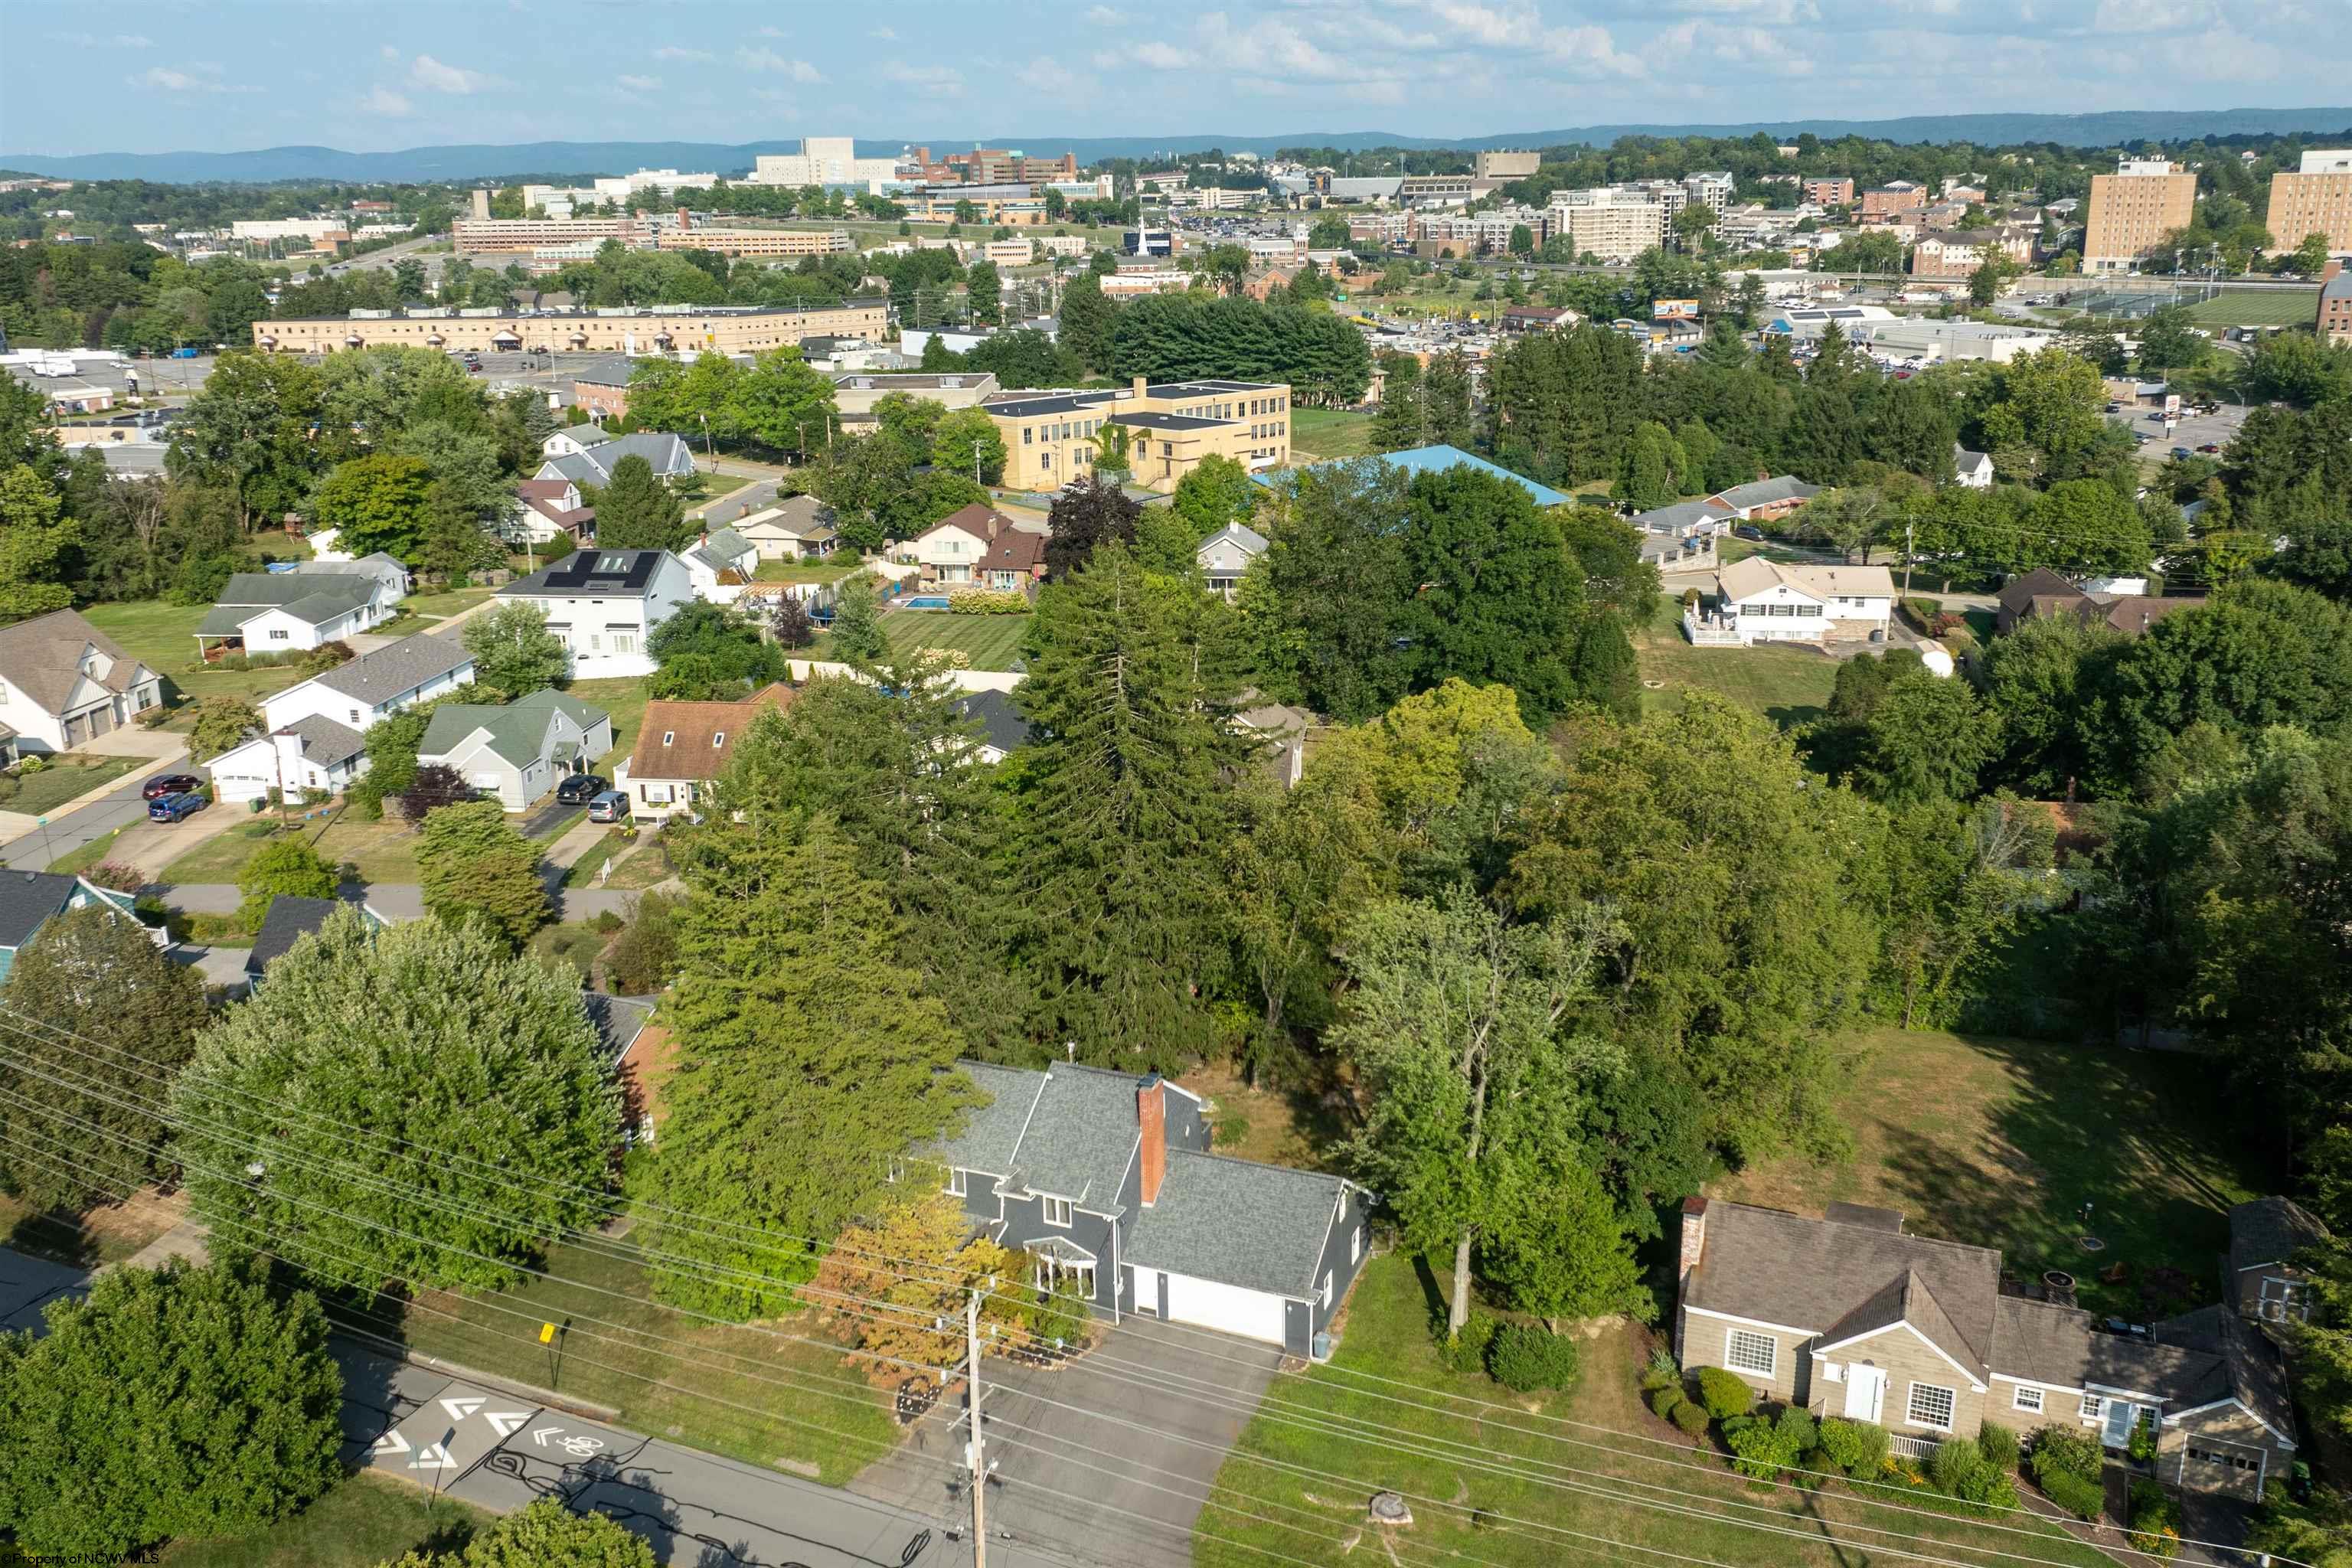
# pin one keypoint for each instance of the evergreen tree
(1128, 793)
(808, 1058)
(858, 640)
(1402, 422)
(1445, 397)
(637, 512)
(73, 1107)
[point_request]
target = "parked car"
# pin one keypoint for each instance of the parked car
(174, 807)
(1748, 531)
(2180, 451)
(163, 784)
(580, 787)
(610, 807)
(2211, 447)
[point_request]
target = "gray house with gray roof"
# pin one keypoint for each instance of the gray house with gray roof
(293, 612)
(1106, 1178)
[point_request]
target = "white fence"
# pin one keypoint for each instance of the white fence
(961, 680)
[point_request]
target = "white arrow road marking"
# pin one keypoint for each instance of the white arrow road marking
(459, 1409)
(539, 1435)
(432, 1457)
(505, 1423)
(391, 1443)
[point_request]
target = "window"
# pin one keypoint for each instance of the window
(1054, 1211)
(718, 738)
(1930, 1406)
(655, 795)
(1753, 1352)
(2092, 1406)
(1356, 1245)
(2026, 1399)
(277, 636)
(355, 717)
(669, 737)
(955, 1183)
(1323, 1292)
(2284, 1299)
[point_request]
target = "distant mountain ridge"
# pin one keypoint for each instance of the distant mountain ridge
(480, 161)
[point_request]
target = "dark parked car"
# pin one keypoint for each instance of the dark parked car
(173, 807)
(581, 787)
(2180, 451)
(610, 807)
(1748, 531)
(163, 784)
(2211, 447)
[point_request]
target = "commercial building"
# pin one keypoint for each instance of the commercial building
(760, 241)
(2314, 199)
(1897, 197)
(1167, 427)
(823, 161)
(1510, 165)
(1615, 225)
(2335, 321)
(992, 165)
(500, 236)
(1836, 193)
(1710, 188)
(654, 330)
(1960, 252)
(854, 396)
(314, 229)
(618, 189)
(2134, 208)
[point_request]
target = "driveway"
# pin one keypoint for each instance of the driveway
(119, 807)
(759, 493)
(1114, 1443)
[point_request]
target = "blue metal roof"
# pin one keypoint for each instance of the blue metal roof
(1443, 459)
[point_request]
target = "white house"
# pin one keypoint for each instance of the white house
(518, 753)
(720, 564)
(593, 463)
(1759, 600)
(544, 509)
(573, 440)
(604, 604)
(1973, 469)
(794, 528)
(313, 731)
(1226, 554)
(951, 549)
(64, 683)
(290, 612)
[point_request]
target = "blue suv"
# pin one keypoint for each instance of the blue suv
(174, 807)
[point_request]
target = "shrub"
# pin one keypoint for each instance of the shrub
(644, 958)
(1525, 1357)
(1691, 1417)
(1724, 1394)
(8, 787)
(1961, 1471)
(1466, 1351)
(32, 764)
(987, 602)
(116, 875)
(1999, 1446)
(1859, 1448)
(1660, 1370)
(2082, 1498)
(607, 922)
(2066, 1450)
(1922, 612)
(2154, 1520)
(2141, 1444)
(1765, 1449)
(1664, 1401)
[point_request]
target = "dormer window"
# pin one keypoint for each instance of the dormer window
(718, 738)
(669, 737)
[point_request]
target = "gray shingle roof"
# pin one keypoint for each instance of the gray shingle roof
(397, 667)
(1811, 1274)
(1764, 492)
(999, 726)
(26, 899)
(287, 589)
(1080, 1138)
(1681, 516)
(42, 658)
(2269, 1230)
(324, 742)
(1237, 1222)
(666, 452)
(992, 1132)
(290, 917)
(2199, 1358)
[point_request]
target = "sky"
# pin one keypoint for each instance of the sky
(224, 75)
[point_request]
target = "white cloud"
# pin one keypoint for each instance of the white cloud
(165, 81)
(639, 83)
(773, 95)
(79, 40)
(885, 34)
(1152, 52)
(766, 59)
(387, 51)
(133, 41)
(1047, 75)
(427, 72)
(383, 101)
(1104, 16)
(773, 33)
(673, 52)
(1591, 51)
(945, 82)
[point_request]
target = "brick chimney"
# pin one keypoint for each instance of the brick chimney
(2327, 273)
(1694, 1249)
(1151, 1120)
(684, 220)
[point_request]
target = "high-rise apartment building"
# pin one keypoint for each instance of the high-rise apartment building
(2314, 199)
(2133, 209)
(1509, 165)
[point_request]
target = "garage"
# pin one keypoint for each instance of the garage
(1252, 1314)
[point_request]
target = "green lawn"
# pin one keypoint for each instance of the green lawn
(2258, 308)
(991, 642)
(383, 851)
(637, 863)
(441, 606)
(623, 698)
(2000, 1143)
(63, 778)
(220, 857)
(366, 1521)
(615, 1361)
(832, 568)
(89, 855)
(163, 637)
(1519, 1522)
(715, 487)
(1790, 686)
(573, 945)
(1324, 433)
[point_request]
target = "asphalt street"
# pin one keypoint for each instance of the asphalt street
(120, 807)
(393, 900)
(500, 1447)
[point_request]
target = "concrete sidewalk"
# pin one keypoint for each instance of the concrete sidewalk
(393, 900)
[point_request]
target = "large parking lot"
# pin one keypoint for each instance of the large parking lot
(2195, 430)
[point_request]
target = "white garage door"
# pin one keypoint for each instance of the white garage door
(1252, 1314)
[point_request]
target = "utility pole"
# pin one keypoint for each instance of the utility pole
(978, 1463)
(1907, 560)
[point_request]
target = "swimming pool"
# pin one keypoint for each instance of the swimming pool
(926, 602)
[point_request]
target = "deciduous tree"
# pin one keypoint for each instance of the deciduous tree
(285, 865)
(476, 869)
(514, 653)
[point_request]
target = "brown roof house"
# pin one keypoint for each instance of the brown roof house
(1852, 1315)
(684, 746)
(2265, 1283)
(2042, 593)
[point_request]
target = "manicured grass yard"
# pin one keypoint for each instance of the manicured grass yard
(365, 1520)
(817, 1434)
(1322, 433)
(63, 778)
(163, 637)
(1790, 686)
(220, 857)
(443, 604)
(1385, 1332)
(89, 855)
(991, 642)
(383, 851)
(2000, 1143)
(2257, 308)
(106, 1234)
(832, 569)
(637, 864)
(623, 698)
(716, 486)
